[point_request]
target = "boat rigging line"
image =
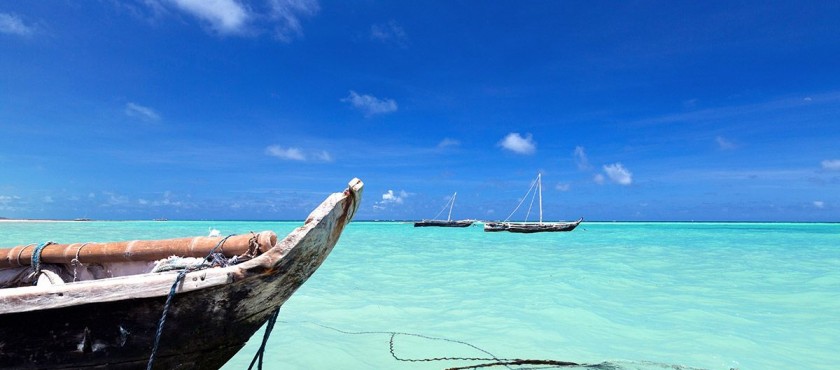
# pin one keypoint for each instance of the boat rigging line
(450, 203)
(533, 184)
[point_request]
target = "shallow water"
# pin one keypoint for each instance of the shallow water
(643, 295)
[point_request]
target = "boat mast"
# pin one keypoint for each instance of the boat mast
(539, 184)
(449, 218)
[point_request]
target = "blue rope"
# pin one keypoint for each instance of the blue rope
(36, 259)
(214, 258)
(211, 257)
(270, 326)
(163, 317)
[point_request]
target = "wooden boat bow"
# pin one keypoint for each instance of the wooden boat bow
(214, 310)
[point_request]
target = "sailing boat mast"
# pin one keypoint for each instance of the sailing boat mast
(539, 185)
(531, 227)
(448, 222)
(449, 218)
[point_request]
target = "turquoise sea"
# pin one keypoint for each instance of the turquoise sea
(633, 295)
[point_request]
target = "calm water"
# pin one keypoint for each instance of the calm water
(700, 295)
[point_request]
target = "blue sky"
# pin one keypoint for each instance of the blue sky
(229, 109)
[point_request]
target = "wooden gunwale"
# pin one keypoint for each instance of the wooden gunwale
(158, 284)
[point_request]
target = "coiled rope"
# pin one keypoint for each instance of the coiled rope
(36, 260)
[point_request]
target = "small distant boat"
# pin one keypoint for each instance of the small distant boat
(448, 222)
(103, 305)
(531, 227)
(444, 223)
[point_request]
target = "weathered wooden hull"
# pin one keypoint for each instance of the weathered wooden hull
(527, 228)
(442, 223)
(494, 226)
(202, 331)
(112, 323)
(539, 228)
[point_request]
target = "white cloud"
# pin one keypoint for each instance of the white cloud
(13, 25)
(563, 186)
(391, 197)
(166, 200)
(293, 154)
(323, 156)
(297, 154)
(724, 143)
(224, 16)
(7, 201)
(389, 33)
(581, 159)
(598, 178)
(115, 200)
(831, 164)
(241, 17)
(819, 204)
(47, 199)
(447, 142)
(370, 105)
(518, 144)
(618, 174)
(141, 112)
(288, 14)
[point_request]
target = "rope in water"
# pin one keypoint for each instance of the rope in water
(270, 326)
(393, 335)
(212, 257)
(493, 360)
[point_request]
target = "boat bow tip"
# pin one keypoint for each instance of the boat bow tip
(354, 192)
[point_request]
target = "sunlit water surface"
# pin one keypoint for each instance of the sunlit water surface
(640, 295)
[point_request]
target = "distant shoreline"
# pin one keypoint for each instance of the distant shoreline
(35, 220)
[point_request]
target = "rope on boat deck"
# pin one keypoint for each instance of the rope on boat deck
(76, 262)
(212, 259)
(260, 352)
(36, 259)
